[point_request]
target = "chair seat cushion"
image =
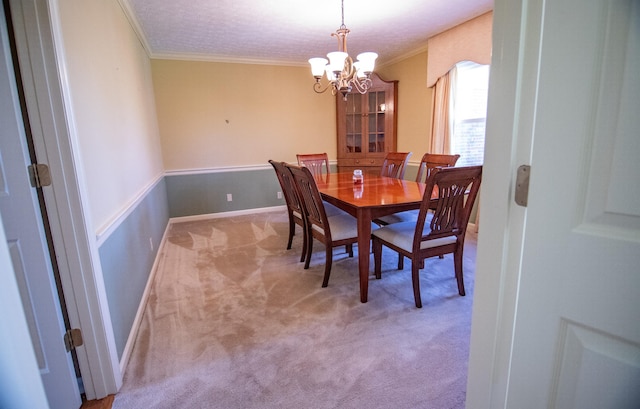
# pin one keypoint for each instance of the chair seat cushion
(401, 235)
(330, 209)
(400, 217)
(343, 226)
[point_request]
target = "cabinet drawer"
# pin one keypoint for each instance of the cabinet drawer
(367, 165)
(361, 162)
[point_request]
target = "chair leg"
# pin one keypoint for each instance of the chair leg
(415, 278)
(377, 257)
(457, 263)
(349, 249)
(309, 251)
(327, 265)
(292, 232)
(304, 245)
(400, 262)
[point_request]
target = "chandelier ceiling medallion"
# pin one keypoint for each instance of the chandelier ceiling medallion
(343, 74)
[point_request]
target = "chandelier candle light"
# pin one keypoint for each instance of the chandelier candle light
(343, 74)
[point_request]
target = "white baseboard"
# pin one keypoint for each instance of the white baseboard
(226, 214)
(133, 334)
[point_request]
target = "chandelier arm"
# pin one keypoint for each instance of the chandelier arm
(362, 85)
(319, 88)
(359, 87)
(348, 71)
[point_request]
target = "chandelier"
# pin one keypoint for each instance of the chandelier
(343, 74)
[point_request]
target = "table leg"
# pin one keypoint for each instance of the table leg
(364, 241)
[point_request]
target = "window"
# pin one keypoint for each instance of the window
(469, 109)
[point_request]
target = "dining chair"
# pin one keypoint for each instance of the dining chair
(294, 207)
(428, 162)
(333, 231)
(431, 161)
(435, 233)
(394, 165)
(317, 163)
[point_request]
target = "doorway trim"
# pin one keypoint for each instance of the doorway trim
(41, 55)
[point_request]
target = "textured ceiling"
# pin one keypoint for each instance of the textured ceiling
(289, 32)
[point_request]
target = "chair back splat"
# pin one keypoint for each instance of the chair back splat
(428, 163)
(317, 163)
(310, 197)
(294, 206)
(450, 193)
(431, 161)
(456, 191)
(336, 230)
(394, 165)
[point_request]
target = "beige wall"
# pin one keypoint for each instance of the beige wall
(214, 115)
(272, 112)
(414, 103)
(112, 110)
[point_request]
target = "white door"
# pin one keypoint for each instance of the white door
(24, 229)
(569, 319)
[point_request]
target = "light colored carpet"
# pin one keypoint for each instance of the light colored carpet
(234, 321)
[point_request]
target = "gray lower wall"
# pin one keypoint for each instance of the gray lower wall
(206, 193)
(127, 259)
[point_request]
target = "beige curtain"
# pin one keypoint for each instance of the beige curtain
(441, 119)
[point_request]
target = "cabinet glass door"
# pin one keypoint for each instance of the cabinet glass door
(375, 126)
(354, 123)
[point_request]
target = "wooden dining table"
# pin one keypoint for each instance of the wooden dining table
(377, 196)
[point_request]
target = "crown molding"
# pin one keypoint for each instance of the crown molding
(135, 25)
(404, 56)
(224, 59)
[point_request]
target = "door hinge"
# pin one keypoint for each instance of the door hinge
(73, 339)
(522, 185)
(39, 175)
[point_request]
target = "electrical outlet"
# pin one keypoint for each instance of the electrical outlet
(229, 197)
(279, 195)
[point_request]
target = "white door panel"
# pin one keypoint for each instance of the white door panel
(28, 248)
(576, 342)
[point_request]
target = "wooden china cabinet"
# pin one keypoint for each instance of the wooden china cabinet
(367, 126)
